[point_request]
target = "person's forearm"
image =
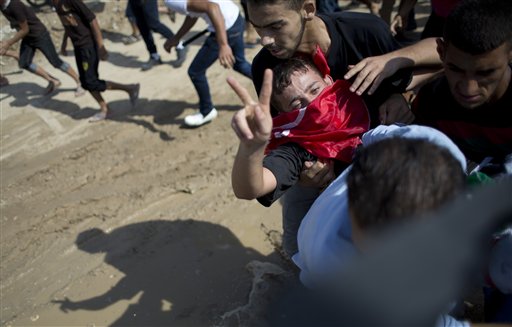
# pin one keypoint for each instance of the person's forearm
(247, 177)
(96, 31)
(186, 27)
(422, 53)
(405, 7)
(422, 77)
(218, 23)
(18, 36)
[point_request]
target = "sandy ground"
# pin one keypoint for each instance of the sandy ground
(130, 221)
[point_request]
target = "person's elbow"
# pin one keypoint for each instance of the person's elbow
(244, 194)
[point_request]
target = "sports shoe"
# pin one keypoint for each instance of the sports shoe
(181, 54)
(198, 119)
(150, 63)
(130, 39)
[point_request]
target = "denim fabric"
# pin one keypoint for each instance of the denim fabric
(129, 13)
(45, 44)
(209, 53)
(295, 204)
(146, 17)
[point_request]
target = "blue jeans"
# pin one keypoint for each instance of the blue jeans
(209, 53)
(146, 17)
(295, 205)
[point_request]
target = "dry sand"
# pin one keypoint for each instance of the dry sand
(132, 219)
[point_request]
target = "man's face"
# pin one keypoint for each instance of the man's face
(280, 28)
(303, 89)
(476, 79)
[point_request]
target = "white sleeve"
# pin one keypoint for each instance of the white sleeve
(179, 6)
(449, 321)
(414, 132)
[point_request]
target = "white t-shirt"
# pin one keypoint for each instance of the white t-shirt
(325, 234)
(228, 8)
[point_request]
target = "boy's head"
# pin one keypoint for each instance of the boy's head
(281, 23)
(297, 82)
(398, 178)
(476, 50)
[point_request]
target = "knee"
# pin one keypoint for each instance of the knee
(31, 67)
(195, 74)
(64, 66)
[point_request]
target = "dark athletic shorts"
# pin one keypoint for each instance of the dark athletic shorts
(87, 62)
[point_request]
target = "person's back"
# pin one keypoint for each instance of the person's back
(405, 171)
(472, 102)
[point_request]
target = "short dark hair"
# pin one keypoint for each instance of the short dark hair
(479, 26)
(398, 178)
(292, 4)
(285, 69)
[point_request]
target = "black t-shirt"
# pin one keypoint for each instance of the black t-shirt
(76, 18)
(286, 162)
(354, 36)
(481, 132)
(16, 13)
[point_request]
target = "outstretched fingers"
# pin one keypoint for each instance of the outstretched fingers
(266, 89)
(241, 91)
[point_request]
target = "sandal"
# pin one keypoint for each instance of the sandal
(131, 39)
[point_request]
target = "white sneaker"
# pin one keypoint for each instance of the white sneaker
(198, 119)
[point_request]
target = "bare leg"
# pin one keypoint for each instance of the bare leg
(53, 83)
(135, 29)
(79, 90)
(103, 107)
(131, 89)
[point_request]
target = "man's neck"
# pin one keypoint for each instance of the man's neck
(315, 33)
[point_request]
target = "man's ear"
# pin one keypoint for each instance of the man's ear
(308, 9)
(328, 79)
(441, 48)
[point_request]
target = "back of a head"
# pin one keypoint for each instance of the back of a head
(479, 26)
(398, 178)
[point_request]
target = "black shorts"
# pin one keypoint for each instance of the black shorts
(45, 45)
(87, 62)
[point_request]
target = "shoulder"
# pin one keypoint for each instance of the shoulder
(348, 20)
(436, 91)
(14, 7)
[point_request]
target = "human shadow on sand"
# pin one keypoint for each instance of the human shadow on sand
(24, 94)
(162, 112)
(189, 272)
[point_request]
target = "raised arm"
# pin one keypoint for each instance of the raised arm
(226, 57)
(252, 125)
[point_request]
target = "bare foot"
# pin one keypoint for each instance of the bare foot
(98, 117)
(134, 94)
(52, 87)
